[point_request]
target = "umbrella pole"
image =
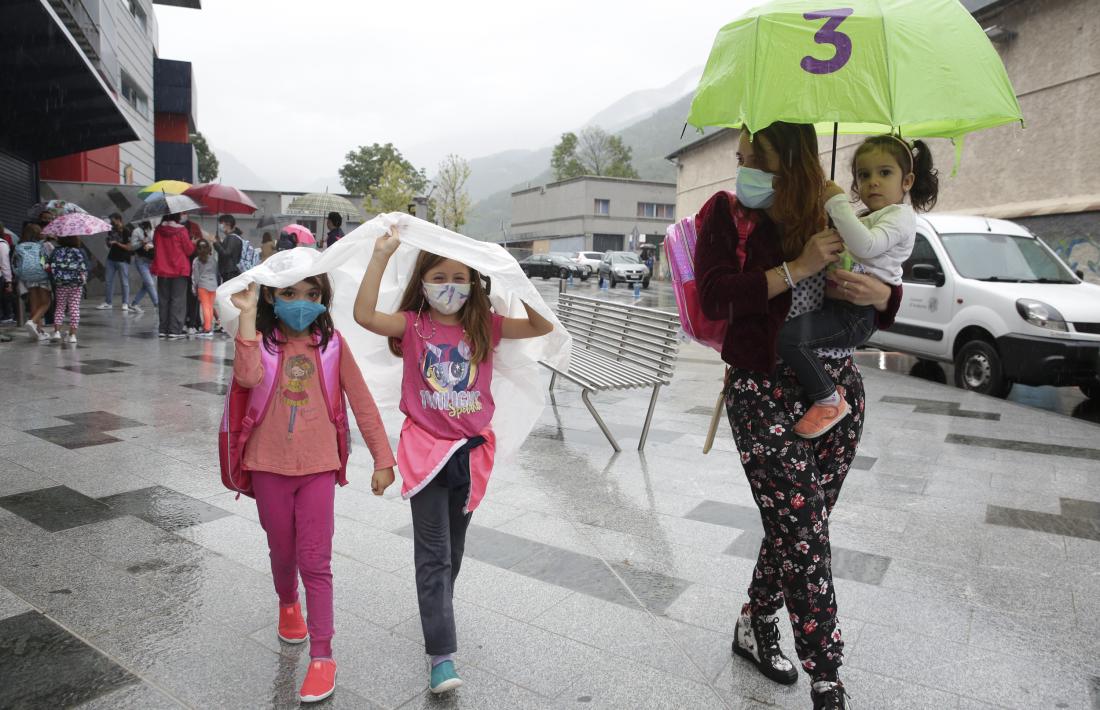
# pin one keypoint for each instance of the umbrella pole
(832, 168)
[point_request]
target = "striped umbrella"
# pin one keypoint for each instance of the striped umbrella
(319, 204)
(164, 204)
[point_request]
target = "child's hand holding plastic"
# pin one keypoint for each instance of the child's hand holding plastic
(381, 480)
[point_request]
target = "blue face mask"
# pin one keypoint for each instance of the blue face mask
(754, 188)
(298, 314)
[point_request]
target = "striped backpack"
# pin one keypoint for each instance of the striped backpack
(245, 409)
(680, 241)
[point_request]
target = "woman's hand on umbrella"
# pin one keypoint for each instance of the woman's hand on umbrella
(832, 189)
(820, 250)
(859, 289)
(246, 300)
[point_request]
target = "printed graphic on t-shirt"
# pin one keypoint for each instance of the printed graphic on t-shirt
(298, 370)
(449, 374)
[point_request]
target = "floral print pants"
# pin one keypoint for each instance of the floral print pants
(795, 483)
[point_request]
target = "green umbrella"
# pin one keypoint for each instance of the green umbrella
(921, 68)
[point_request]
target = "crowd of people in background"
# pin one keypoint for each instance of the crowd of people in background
(180, 266)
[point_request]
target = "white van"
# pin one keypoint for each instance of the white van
(990, 297)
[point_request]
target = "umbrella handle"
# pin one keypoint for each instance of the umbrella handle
(832, 168)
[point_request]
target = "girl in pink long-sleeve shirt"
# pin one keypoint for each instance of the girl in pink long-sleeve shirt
(294, 456)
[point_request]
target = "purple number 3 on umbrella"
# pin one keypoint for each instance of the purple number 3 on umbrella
(828, 35)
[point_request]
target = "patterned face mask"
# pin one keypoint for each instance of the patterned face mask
(446, 298)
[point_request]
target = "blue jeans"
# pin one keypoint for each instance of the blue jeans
(148, 282)
(838, 324)
(121, 269)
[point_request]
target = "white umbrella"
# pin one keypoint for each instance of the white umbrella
(164, 204)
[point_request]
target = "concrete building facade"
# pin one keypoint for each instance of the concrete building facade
(591, 213)
(1045, 176)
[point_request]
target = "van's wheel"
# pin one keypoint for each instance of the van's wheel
(645, 284)
(1090, 391)
(978, 369)
(611, 281)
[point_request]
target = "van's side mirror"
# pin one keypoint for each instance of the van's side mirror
(928, 273)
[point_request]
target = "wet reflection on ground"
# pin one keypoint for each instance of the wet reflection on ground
(1062, 400)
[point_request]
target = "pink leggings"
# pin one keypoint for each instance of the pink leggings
(68, 301)
(296, 512)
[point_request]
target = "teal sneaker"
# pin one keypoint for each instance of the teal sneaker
(444, 678)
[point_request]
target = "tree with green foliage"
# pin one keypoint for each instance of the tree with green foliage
(208, 162)
(450, 201)
(395, 189)
(593, 152)
(363, 169)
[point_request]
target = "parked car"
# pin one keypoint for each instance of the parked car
(990, 297)
(591, 259)
(623, 266)
(547, 265)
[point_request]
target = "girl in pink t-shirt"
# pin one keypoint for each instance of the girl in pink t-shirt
(445, 334)
(294, 455)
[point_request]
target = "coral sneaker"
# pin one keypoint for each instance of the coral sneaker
(292, 626)
(320, 680)
(822, 417)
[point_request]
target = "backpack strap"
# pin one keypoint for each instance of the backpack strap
(745, 221)
(259, 397)
(329, 372)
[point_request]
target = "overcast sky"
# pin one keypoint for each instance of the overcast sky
(288, 88)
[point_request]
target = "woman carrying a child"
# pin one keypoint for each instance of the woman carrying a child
(777, 273)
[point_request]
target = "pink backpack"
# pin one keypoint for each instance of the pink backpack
(680, 241)
(245, 408)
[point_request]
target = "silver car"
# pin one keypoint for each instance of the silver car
(623, 266)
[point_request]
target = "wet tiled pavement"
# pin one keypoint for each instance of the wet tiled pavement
(966, 552)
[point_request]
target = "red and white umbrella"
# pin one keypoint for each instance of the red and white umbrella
(76, 224)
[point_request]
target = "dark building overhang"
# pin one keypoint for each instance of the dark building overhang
(192, 4)
(54, 101)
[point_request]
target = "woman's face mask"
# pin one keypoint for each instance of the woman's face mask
(755, 188)
(447, 298)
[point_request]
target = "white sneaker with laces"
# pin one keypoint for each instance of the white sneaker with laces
(43, 336)
(137, 309)
(125, 307)
(72, 339)
(191, 331)
(104, 307)
(56, 335)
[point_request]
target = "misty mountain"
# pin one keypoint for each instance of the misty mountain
(650, 139)
(636, 106)
(233, 172)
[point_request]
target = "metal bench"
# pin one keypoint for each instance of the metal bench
(616, 346)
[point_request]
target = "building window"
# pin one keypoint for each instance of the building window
(134, 96)
(656, 210)
(603, 207)
(134, 8)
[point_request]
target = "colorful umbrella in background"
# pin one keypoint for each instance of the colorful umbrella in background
(77, 224)
(163, 204)
(303, 234)
(216, 198)
(319, 204)
(918, 68)
(169, 187)
(55, 207)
